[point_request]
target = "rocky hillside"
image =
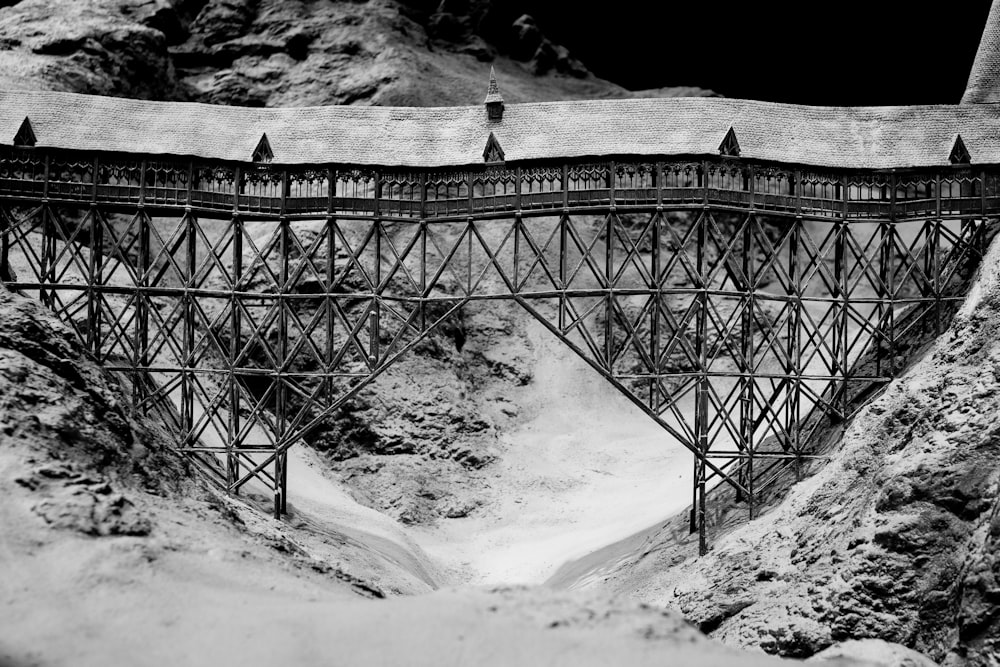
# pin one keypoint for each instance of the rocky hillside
(291, 52)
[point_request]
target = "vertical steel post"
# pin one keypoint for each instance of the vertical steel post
(95, 269)
(887, 230)
(373, 313)
(748, 379)
(933, 267)
(331, 277)
(283, 365)
(141, 305)
(469, 225)
(423, 195)
(885, 316)
(187, 329)
(424, 230)
(609, 272)
(517, 252)
(470, 192)
(329, 299)
(93, 280)
(5, 273)
(563, 259)
(565, 187)
(657, 296)
(422, 305)
(140, 365)
(794, 349)
(979, 226)
(701, 423)
(611, 184)
(842, 275)
(143, 299)
(235, 345)
(937, 218)
(517, 189)
(47, 260)
(837, 306)
(188, 340)
(928, 290)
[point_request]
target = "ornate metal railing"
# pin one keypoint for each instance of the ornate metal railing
(743, 305)
(269, 190)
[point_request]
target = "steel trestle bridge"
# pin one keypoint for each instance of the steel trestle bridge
(743, 303)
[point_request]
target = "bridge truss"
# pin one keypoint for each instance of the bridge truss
(742, 305)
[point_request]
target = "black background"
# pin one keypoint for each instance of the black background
(845, 52)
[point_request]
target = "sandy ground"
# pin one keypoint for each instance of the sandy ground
(195, 593)
(586, 468)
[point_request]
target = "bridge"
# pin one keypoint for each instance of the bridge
(745, 273)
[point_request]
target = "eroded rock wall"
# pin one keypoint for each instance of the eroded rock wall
(291, 52)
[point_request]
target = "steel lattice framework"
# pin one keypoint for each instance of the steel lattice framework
(742, 305)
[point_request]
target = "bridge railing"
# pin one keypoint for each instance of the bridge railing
(269, 190)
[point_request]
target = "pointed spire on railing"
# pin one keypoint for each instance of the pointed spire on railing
(493, 153)
(494, 101)
(263, 152)
(730, 146)
(959, 153)
(25, 134)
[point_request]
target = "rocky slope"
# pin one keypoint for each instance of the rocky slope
(291, 52)
(895, 539)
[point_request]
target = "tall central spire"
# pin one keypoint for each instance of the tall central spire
(984, 81)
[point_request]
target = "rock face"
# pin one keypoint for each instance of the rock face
(895, 539)
(290, 52)
(875, 651)
(104, 48)
(87, 457)
(418, 444)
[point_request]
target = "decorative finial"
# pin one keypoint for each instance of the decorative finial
(263, 152)
(730, 147)
(493, 102)
(959, 153)
(25, 134)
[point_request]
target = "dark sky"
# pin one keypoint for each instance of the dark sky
(837, 52)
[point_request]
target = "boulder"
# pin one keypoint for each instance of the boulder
(873, 651)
